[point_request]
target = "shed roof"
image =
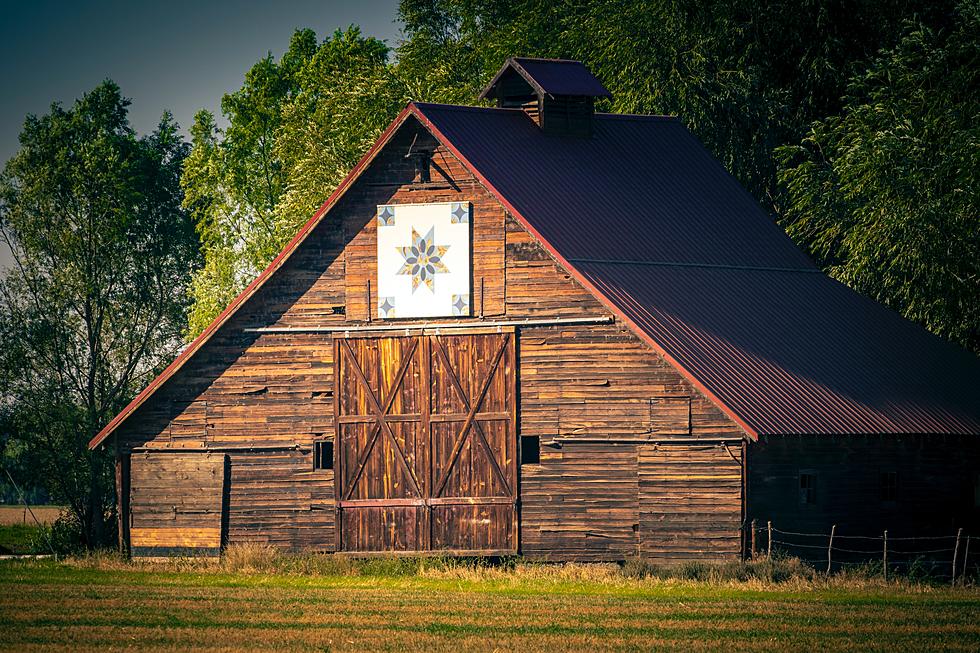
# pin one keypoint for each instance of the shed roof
(645, 218)
(551, 77)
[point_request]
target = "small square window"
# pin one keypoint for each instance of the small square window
(530, 450)
(889, 486)
(808, 488)
(323, 454)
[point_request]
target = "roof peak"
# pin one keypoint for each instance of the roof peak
(551, 77)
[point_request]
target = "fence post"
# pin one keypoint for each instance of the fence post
(752, 538)
(966, 554)
(884, 558)
(830, 546)
(956, 551)
(769, 550)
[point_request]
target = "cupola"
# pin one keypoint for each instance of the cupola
(557, 94)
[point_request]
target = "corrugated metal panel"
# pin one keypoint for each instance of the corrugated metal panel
(563, 77)
(642, 188)
(676, 246)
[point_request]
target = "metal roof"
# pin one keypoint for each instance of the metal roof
(649, 222)
(552, 77)
(656, 227)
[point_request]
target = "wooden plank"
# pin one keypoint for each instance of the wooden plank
(176, 537)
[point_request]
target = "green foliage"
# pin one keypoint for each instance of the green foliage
(885, 195)
(296, 127)
(18, 538)
(95, 301)
(744, 76)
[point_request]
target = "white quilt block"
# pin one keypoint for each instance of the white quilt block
(424, 260)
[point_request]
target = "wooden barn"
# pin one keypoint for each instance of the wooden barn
(542, 330)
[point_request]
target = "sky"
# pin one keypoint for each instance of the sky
(177, 55)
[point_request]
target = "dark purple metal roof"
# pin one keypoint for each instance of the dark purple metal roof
(643, 214)
(552, 76)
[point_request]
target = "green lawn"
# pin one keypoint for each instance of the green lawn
(56, 606)
(18, 538)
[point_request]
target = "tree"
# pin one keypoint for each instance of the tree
(744, 76)
(95, 302)
(885, 194)
(295, 128)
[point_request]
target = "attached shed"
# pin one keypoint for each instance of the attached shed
(536, 329)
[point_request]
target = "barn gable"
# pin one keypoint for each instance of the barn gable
(307, 284)
(824, 354)
(261, 390)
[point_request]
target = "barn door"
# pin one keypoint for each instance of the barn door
(690, 501)
(473, 443)
(176, 503)
(381, 444)
(427, 445)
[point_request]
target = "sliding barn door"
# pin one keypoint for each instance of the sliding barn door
(381, 444)
(427, 443)
(473, 503)
(690, 501)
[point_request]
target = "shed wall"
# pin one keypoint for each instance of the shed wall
(936, 491)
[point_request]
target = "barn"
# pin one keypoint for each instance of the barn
(537, 329)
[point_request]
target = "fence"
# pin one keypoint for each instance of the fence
(937, 555)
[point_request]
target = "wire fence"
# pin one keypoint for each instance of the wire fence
(946, 556)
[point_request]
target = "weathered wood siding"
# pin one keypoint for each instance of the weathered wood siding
(690, 501)
(936, 493)
(594, 394)
(178, 503)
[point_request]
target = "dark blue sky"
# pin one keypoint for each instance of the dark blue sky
(175, 55)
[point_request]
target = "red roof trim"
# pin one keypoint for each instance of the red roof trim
(257, 283)
(581, 278)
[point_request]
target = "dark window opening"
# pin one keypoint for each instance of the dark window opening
(808, 487)
(889, 486)
(530, 450)
(976, 491)
(323, 454)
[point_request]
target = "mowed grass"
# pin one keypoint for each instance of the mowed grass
(86, 606)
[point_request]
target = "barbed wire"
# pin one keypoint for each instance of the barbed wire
(889, 558)
(878, 538)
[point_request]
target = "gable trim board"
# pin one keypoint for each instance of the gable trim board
(614, 296)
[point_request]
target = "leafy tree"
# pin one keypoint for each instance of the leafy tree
(95, 301)
(744, 76)
(885, 194)
(295, 128)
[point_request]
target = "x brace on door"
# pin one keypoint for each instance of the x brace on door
(381, 425)
(471, 409)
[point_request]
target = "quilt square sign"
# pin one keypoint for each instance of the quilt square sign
(424, 260)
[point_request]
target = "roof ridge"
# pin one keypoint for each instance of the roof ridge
(517, 110)
(549, 60)
(679, 264)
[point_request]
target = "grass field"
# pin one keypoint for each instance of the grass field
(91, 606)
